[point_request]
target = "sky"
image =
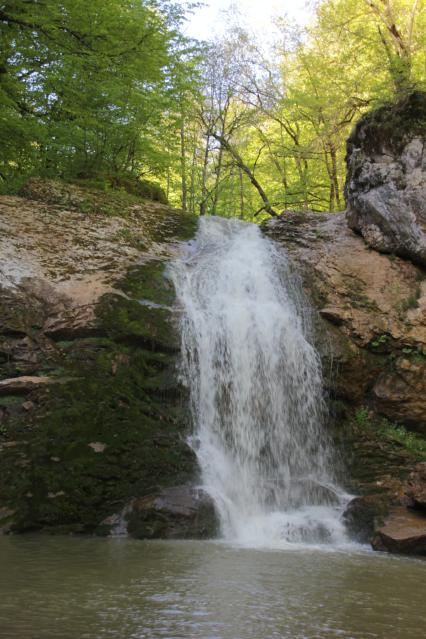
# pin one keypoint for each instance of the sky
(258, 14)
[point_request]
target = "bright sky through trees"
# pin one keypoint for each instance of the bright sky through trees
(258, 15)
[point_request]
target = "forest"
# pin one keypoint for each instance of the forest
(111, 92)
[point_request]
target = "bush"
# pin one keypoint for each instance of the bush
(142, 188)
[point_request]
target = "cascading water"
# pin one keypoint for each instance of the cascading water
(256, 389)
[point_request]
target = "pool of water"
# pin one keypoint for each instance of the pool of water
(68, 588)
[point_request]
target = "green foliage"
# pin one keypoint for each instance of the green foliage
(110, 91)
(390, 433)
(362, 417)
(87, 89)
(289, 119)
(410, 441)
(416, 355)
(381, 340)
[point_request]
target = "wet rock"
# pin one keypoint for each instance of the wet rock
(180, 512)
(416, 486)
(404, 532)
(386, 183)
(366, 311)
(364, 515)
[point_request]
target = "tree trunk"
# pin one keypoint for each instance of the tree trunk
(334, 175)
(203, 203)
(241, 194)
(192, 185)
(217, 180)
(241, 164)
(184, 196)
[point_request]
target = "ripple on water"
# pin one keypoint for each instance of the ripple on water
(65, 588)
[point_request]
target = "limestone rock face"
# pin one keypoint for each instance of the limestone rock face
(91, 410)
(22, 385)
(386, 184)
(371, 322)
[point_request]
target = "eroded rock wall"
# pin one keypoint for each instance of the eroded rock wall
(91, 412)
(386, 183)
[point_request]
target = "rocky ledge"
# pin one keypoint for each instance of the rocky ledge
(91, 412)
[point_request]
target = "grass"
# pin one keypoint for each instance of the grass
(412, 442)
(362, 417)
(411, 302)
(392, 433)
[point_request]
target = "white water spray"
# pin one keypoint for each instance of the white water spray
(256, 389)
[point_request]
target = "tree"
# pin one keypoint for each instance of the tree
(88, 89)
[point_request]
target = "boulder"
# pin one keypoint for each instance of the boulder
(416, 486)
(404, 532)
(180, 512)
(364, 515)
(386, 184)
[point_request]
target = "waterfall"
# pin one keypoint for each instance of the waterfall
(256, 389)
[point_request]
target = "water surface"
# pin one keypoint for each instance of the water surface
(68, 588)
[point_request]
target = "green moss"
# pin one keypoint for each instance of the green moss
(125, 398)
(121, 391)
(390, 125)
(135, 240)
(142, 188)
(133, 322)
(10, 400)
(148, 282)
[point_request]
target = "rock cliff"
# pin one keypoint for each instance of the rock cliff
(91, 413)
(386, 186)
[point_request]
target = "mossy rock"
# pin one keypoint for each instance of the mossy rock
(115, 430)
(180, 512)
(389, 125)
(142, 188)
